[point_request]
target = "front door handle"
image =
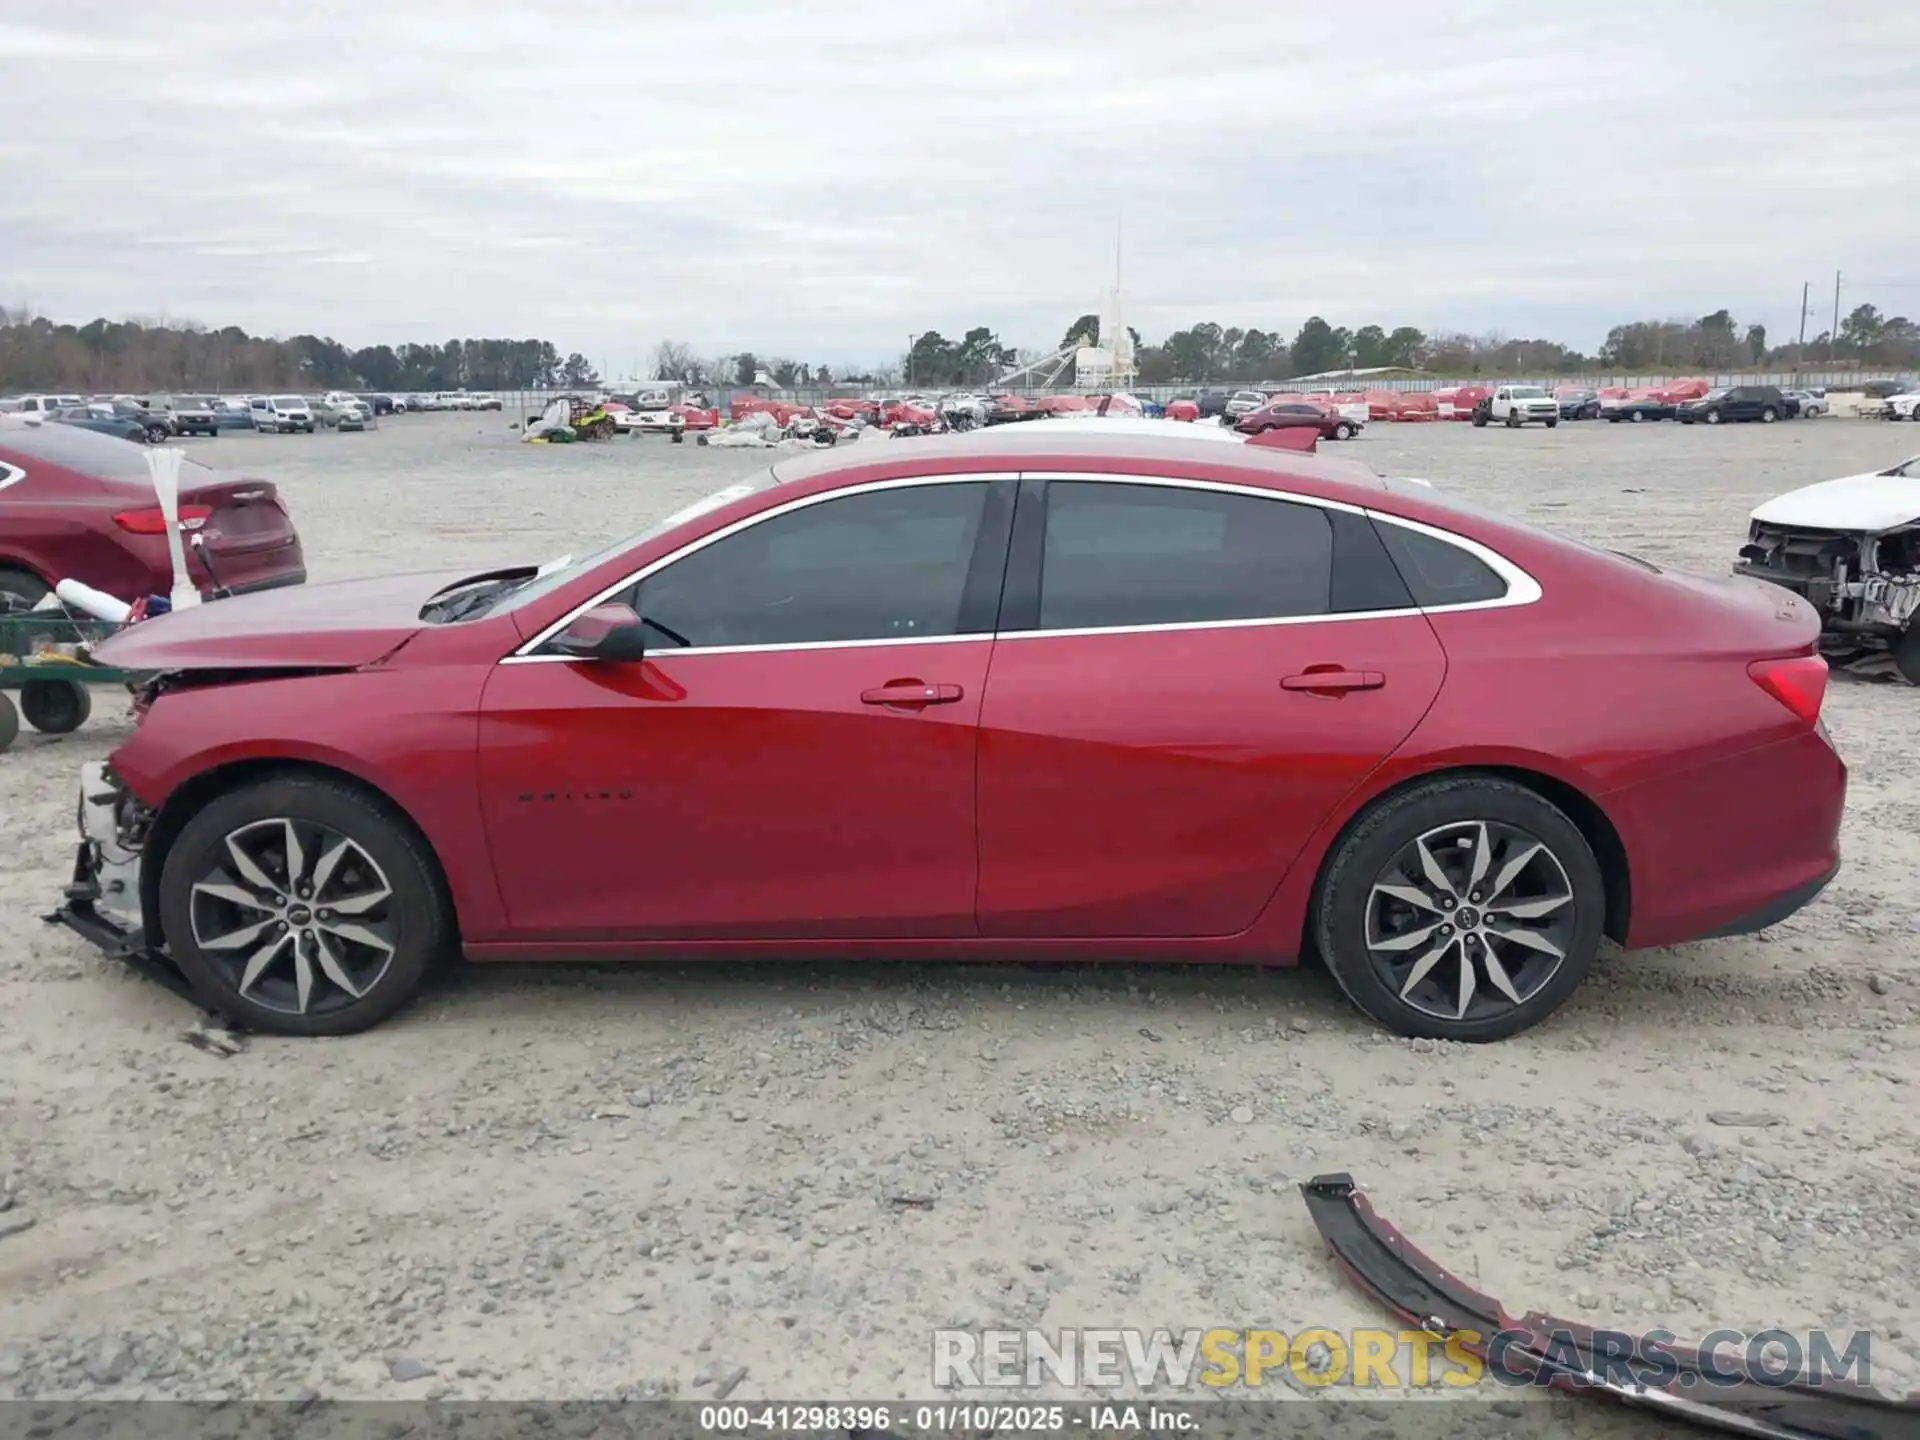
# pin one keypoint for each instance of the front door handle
(911, 692)
(1332, 680)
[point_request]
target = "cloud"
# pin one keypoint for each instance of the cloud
(821, 182)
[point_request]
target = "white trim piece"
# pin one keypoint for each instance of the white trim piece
(10, 475)
(1522, 588)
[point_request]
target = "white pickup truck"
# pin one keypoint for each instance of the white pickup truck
(1517, 405)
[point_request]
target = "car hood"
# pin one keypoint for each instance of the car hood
(1873, 502)
(338, 626)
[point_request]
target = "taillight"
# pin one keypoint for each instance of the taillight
(154, 520)
(1798, 682)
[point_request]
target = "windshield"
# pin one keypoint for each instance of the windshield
(1715, 394)
(1906, 469)
(1527, 392)
(289, 400)
(566, 574)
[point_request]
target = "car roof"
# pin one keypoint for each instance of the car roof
(1046, 444)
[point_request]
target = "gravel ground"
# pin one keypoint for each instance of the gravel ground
(573, 1181)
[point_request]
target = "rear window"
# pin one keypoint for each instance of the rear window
(91, 453)
(1437, 571)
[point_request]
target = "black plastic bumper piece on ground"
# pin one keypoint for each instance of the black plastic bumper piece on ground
(79, 912)
(1541, 1350)
(1775, 910)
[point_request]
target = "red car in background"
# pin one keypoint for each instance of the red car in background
(80, 506)
(1297, 414)
(1007, 694)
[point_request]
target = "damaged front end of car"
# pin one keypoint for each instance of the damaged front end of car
(1709, 1389)
(1866, 586)
(105, 901)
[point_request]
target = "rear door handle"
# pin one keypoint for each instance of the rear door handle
(1332, 681)
(911, 692)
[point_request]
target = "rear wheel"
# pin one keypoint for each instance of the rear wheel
(21, 590)
(301, 906)
(1769, 415)
(1462, 909)
(9, 721)
(1480, 419)
(1638, 416)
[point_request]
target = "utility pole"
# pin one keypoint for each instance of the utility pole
(1833, 335)
(1806, 288)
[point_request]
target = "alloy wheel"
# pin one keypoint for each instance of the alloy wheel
(296, 916)
(1470, 920)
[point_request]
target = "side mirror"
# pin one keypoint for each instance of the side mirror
(606, 632)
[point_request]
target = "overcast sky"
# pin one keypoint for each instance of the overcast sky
(817, 181)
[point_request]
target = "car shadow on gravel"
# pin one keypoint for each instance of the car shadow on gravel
(1303, 992)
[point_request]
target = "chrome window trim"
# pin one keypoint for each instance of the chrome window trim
(524, 654)
(1522, 588)
(10, 474)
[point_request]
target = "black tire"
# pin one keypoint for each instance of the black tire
(1769, 415)
(1552, 423)
(1637, 416)
(1513, 419)
(55, 707)
(1613, 419)
(9, 722)
(1479, 420)
(1906, 654)
(1340, 921)
(416, 914)
(1343, 431)
(156, 434)
(21, 590)
(1713, 417)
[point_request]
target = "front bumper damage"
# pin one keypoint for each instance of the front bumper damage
(1540, 1350)
(102, 903)
(1865, 585)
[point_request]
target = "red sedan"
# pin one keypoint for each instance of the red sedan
(76, 505)
(999, 695)
(1297, 414)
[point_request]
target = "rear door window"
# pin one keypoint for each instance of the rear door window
(1124, 555)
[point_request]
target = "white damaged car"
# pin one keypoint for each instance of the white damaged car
(1852, 548)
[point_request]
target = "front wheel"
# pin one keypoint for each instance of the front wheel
(1461, 909)
(303, 906)
(156, 434)
(1343, 431)
(1552, 423)
(1713, 417)
(1906, 654)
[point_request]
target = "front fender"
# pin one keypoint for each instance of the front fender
(409, 733)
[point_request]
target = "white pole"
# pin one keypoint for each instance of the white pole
(165, 465)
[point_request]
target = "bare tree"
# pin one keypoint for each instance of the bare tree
(675, 360)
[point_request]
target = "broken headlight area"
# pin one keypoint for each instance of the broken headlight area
(1735, 1391)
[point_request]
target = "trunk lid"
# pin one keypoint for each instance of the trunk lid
(340, 626)
(247, 516)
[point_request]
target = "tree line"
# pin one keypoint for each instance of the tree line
(132, 356)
